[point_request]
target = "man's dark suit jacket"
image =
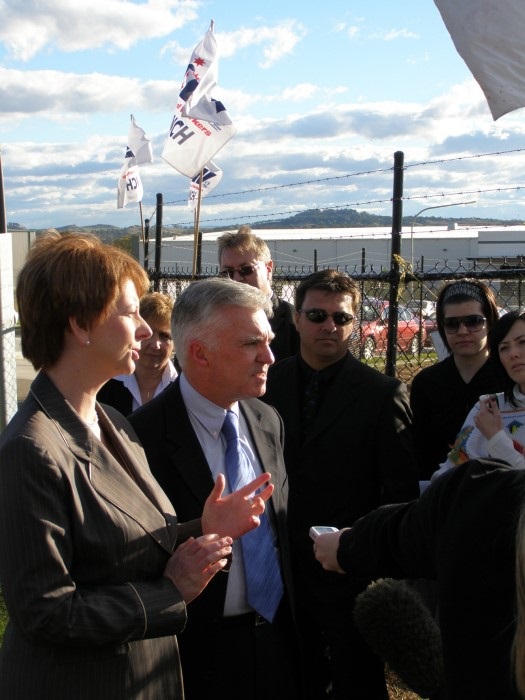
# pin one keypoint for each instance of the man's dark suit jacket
(286, 341)
(179, 465)
(357, 455)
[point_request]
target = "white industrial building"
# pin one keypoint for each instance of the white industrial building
(353, 247)
(21, 242)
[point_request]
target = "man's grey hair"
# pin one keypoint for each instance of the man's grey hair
(196, 313)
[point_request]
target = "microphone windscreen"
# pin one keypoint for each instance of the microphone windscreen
(397, 625)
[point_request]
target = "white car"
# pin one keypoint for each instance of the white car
(427, 307)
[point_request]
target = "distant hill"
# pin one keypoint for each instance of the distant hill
(312, 218)
(341, 218)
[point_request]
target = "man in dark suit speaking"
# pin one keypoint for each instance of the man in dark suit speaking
(240, 635)
(348, 450)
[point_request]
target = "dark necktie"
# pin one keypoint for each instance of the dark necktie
(263, 577)
(311, 400)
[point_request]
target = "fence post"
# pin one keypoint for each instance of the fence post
(420, 315)
(8, 384)
(158, 242)
(397, 220)
(146, 245)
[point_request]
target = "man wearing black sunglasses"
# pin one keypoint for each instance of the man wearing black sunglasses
(348, 450)
(244, 257)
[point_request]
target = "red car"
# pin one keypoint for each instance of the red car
(373, 329)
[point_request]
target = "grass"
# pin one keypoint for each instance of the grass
(3, 617)
(396, 688)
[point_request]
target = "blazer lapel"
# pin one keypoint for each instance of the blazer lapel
(290, 410)
(264, 442)
(186, 452)
(130, 487)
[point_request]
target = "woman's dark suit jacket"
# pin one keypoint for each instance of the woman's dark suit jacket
(83, 545)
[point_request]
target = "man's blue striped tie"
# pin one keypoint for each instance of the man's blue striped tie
(263, 577)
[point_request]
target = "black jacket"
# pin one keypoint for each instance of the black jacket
(286, 341)
(356, 456)
(461, 532)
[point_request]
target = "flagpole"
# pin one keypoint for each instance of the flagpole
(196, 220)
(141, 222)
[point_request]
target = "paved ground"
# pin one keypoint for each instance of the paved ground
(24, 376)
(24, 373)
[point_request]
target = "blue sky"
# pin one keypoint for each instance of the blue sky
(320, 93)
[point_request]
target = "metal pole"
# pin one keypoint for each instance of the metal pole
(436, 206)
(198, 257)
(397, 220)
(158, 242)
(197, 237)
(146, 245)
(420, 331)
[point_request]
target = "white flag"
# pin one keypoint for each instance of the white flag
(139, 143)
(138, 151)
(129, 184)
(200, 126)
(490, 37)
(211, 176)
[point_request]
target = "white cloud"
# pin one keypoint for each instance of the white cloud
(299, 118)
(28, 27)
(276, 41)
(393, 34)
(297, 93)
(353, 32)
(63, 96)
(60, 95)
(77, 181)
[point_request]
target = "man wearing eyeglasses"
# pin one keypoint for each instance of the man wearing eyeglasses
(348, 450)
(244, 257)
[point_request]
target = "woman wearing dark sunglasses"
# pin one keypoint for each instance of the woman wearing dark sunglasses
(442, 395)
(495, 427)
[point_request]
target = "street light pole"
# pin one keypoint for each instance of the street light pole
(436, 206)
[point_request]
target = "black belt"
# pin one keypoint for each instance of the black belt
(250, 619)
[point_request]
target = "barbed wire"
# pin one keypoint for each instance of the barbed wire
(302, 183)
(358, 173)
(425, 197)
(458, 158)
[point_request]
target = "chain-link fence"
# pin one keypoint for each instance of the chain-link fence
(412, 318)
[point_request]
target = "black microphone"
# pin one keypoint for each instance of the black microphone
(397, 625)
